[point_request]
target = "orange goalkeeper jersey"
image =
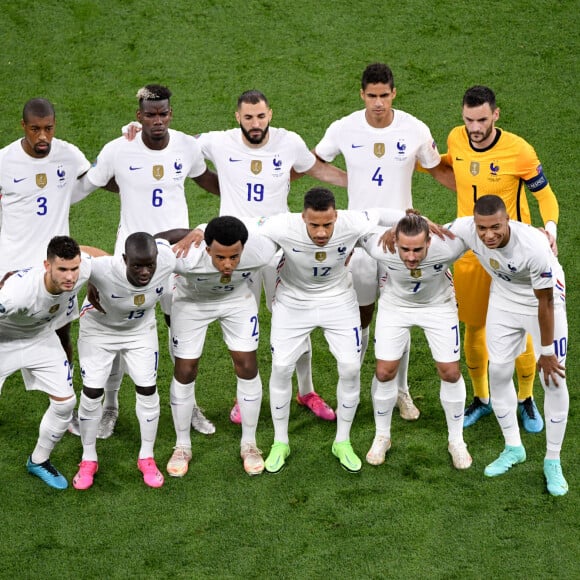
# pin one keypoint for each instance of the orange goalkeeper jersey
(502, 169)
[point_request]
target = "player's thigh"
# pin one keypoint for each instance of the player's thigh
(441, 327)
(141, 359)
(240, 326)
(340, 323)
(96, 360)
(189, 322)
(391, 332)
(471, 284)
(506, 334)
(365, 279)
(289, 332)
(46, 368)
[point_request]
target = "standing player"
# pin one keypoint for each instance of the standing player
(254, 165)
(381, 147)
(30, 303)
(215, 285)
(150, 172)
(129, 286)
(417, 291)
(489, 160)
(527, 296)
(37, 177)
(314, 290)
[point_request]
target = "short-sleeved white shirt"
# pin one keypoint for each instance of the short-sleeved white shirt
(35, 199)
(200, 281)
(427, 285)
(28, 310)
(308, 273)
(130, 310)
(255, 181)
(525, 264)
(151, 182)
(379, 162)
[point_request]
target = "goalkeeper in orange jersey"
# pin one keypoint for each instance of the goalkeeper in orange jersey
(488, 160)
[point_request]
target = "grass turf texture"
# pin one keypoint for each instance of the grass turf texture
(413, 517)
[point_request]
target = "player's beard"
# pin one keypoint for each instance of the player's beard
(255, 140)
(484, 136)
(42, 152)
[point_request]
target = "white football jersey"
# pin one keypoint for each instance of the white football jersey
(429, 284)
(200, 281)
(255, 181)
(28, 310)
(151, 182)
(35, 198)
(309, 273)
(379, 162)
(524, 264)
(129, 309)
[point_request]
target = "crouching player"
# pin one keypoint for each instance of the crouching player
(417, 291)
(527, 296)
(123, 323)
(216, 285)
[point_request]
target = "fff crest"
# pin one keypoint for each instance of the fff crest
(379, 149)
(320, 256)
(256, 167)
(416, 273)
(139, 300)
(158, 171)
(41, 179)
(54, 308)
(225, 279)
(494, 263)
(474, 168)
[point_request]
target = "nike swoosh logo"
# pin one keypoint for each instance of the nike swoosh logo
(19, 180)
(381, 413)
(202, 279)
(131, 168)
(348, 406)
(234, 160)
(297, 251)
(115, 296)
(458, 159)
(557, 421)
(458, 416)
(278, 408)
(250, 400)
(356, 146)
(455, 350)
(154, 419)
(503, 416)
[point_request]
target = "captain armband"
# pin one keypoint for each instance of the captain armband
(538, 182)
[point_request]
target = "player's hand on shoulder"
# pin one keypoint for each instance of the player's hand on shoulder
(6, 276)
(194, 238)
(130, 130)
(440, 231)
(551, 240)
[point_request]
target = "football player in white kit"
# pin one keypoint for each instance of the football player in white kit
(313, 290)
(216, 285)
(150, 172)
(38, 175)
(31, 301)
(527, 296)
(129, 287)
(417, 290)
(381, 147)
(254, 165)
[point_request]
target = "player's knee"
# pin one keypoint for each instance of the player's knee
(146, 391)
(450, 373)
(185, 370)
(349, 372)
(282, 372)
(386, 370)
(92, 393)
(246, 367)
(63, 408)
